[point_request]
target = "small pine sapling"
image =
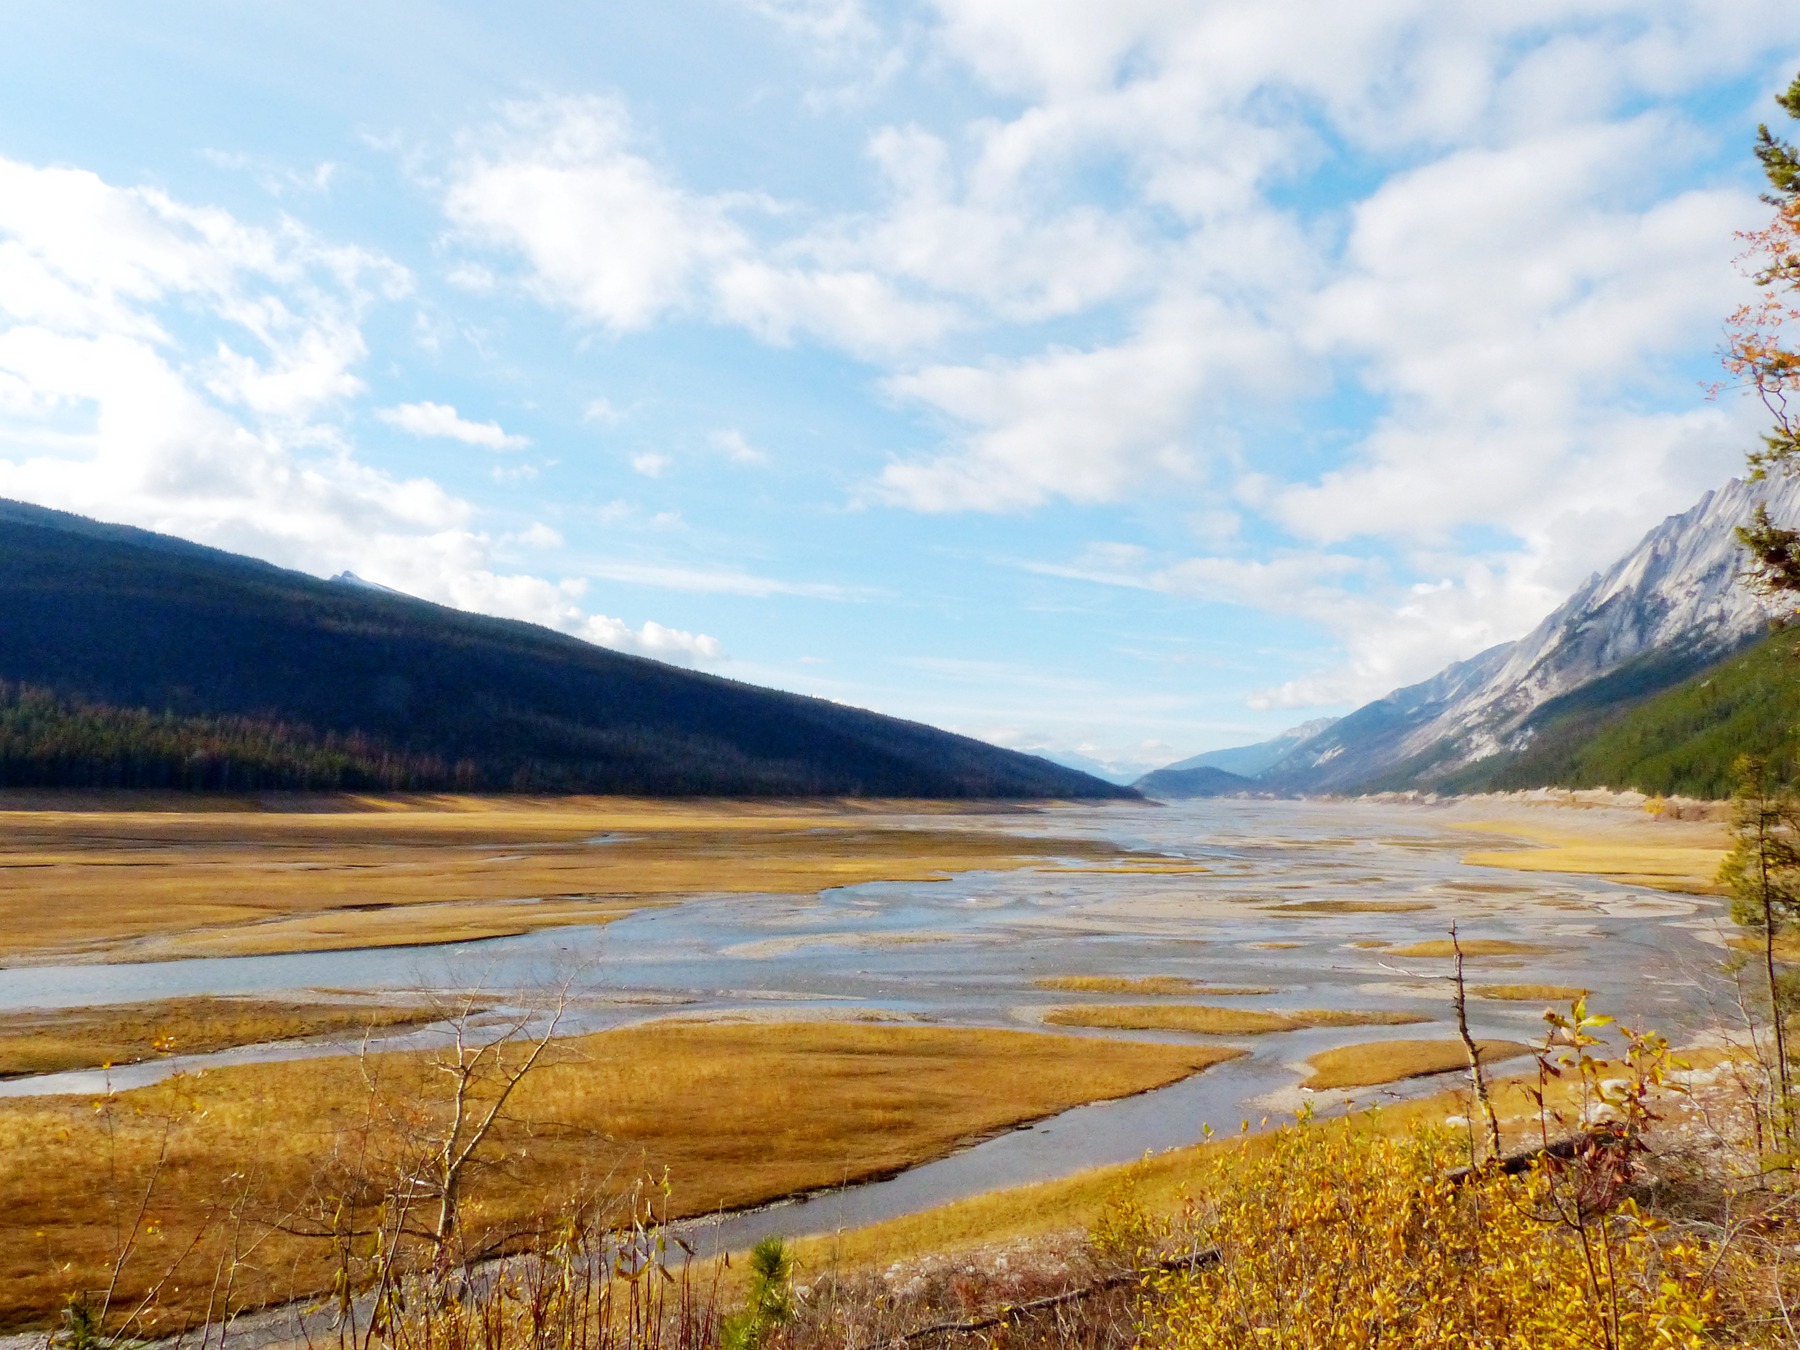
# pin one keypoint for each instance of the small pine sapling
(769, 1299)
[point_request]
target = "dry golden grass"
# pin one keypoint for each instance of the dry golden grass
(1199, 1018)
(1159, 1181)
(1148, 984)
(58, 1039)
(1530, 993)
(1353, 1066)
(737, 1114)
(1350, 907)
(1787, 945)
(1475, 947)
(358, 872)
(1663, 855)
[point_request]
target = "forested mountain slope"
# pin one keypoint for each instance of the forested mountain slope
(134, 659)
(1681, 740)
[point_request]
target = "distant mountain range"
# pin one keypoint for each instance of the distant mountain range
(131, 659)
(1668, 609)
(1250, 760)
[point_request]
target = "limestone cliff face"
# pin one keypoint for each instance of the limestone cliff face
(1675, 597)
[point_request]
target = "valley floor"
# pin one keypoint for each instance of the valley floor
(872, 985)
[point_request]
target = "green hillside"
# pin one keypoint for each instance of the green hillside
(1681, 740)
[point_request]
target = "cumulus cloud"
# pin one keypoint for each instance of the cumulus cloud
(1144, 269)
(1517, 307)
(236, 439)
(567, 186)
(441, 420)
(665, 644)
(603, 228)
(1084, 425)
(1521, 298)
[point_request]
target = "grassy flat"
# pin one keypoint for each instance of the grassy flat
(373, 872)
(1148, 984)
(1681, 856)
(1353, 1066)
(60, 1039)
(1474, 947)
(1210, 1021)
(1530, 993)
(1787, 945)
(737, 1114)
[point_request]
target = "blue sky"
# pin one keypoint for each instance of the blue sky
(1123, 380)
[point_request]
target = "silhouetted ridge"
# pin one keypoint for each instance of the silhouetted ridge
(137, 652)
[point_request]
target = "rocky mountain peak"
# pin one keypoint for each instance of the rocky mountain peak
(1675, 596)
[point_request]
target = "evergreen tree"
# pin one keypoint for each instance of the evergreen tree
(1762, 873)
(1763, 353)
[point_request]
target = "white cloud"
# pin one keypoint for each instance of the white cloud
(605, 232)
(857, 309)
(831, 24)
(605, 412)
(1391, 631)
(440, 420)
(736, 448)
(273, 177)
(1514, 310)
(717, 581)
(236, 439)
(603, 229)
(1127, 285)
(1088, 426)
(651, 464)
(665, 644)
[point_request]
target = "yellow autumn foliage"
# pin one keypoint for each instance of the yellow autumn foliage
(1340, 1239)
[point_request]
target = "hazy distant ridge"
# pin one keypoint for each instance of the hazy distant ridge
(1250, 760)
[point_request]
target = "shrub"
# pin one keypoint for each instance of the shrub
(1339, 1237)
